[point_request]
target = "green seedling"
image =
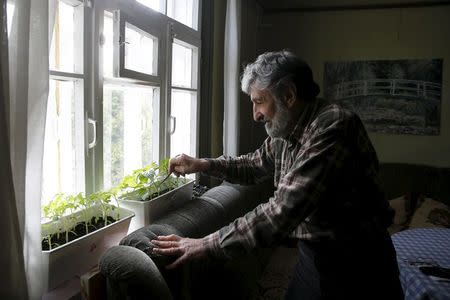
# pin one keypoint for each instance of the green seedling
(144, 184)
(148, 182)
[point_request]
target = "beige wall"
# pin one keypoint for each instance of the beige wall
(401, 33)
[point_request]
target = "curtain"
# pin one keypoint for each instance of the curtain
(212, 83)
(12, 262)
(231, 78)
(24, 117)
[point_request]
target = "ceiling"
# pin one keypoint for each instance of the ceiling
(335, 4)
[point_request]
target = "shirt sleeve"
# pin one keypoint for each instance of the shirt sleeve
(297, 195)
(246, 169)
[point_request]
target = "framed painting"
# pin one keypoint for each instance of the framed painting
(390, 96)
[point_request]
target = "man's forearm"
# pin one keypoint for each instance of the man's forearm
(203, 165)
(242, 169)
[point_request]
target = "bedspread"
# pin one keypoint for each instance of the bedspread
(419, 247)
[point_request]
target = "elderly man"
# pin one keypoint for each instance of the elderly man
(325, 173)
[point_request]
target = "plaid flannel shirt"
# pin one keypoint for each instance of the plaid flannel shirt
(325, 175)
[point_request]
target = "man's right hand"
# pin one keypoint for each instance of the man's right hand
(183, 164)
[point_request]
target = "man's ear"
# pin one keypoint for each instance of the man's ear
(291, 95)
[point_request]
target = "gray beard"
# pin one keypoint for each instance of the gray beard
(281, 124)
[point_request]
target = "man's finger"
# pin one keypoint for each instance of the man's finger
(171, 237)
(168, 251)
(179, 170)
(173, 162)
(165, 244)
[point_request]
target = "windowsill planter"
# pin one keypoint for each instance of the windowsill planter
(80, 255)
(146, 211)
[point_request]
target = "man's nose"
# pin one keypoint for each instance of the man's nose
(257, 116)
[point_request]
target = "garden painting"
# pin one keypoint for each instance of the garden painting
(390, 96)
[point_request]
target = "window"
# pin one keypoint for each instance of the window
(184, 98)
(158, 5)
(139, 45)
(64, 160)
(131, 97)
(65, 49)
(135, 54)
(149, 84)
(123, 89)
(184, 11)
(128, 130)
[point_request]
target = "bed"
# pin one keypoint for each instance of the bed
(419, 250)
(420, 197)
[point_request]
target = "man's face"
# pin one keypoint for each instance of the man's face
(275, 115)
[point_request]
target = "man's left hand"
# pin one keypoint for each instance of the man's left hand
(185, 248)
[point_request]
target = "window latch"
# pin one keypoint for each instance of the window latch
(94, 131)
(93, 143)
(122, 41)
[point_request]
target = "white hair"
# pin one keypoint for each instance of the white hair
(277, 70)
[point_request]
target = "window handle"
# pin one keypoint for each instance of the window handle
(94, 128)
(174, 126)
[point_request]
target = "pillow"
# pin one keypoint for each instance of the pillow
(401, 215)
(399, 206)
(431, 213)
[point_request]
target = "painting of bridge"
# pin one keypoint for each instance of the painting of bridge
(390, 96)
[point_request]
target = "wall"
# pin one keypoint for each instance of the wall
(399, 33)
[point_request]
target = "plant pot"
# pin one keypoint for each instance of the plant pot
(79, 256)
(148, 211)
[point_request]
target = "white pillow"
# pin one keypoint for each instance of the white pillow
(431, 213)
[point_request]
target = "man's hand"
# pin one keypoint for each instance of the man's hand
(184, 164)
(185, 248)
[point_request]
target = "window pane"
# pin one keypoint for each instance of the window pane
(107, 48)
(157, 5)
(184, 11)
(141, 53)
(63, 165)
(182, 62)
(62, 50)
(127, 130)
(183, 110)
